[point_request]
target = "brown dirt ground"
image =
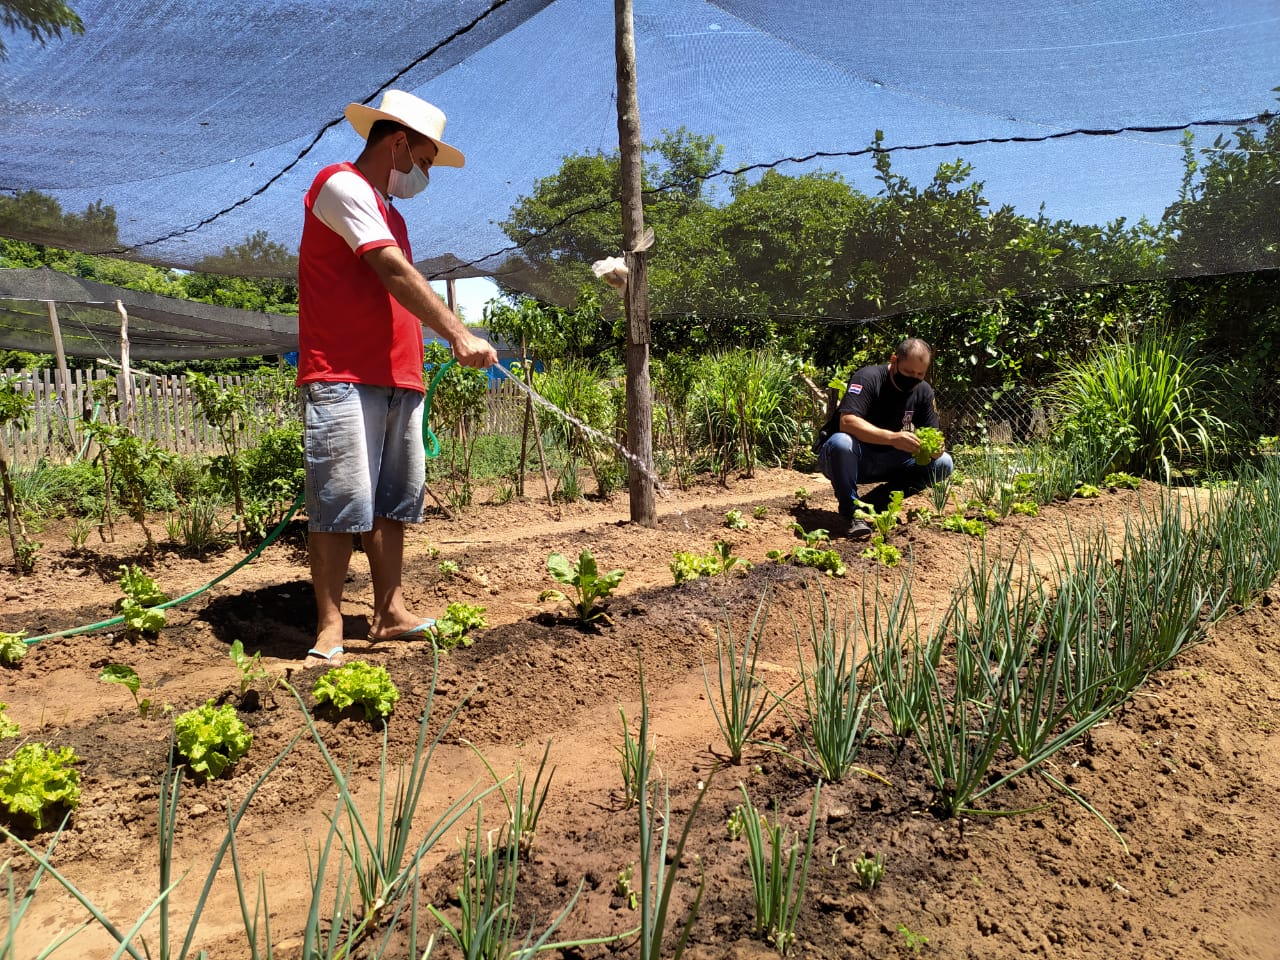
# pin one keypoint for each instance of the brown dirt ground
(1188, 770)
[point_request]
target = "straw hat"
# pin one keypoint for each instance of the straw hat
(415, 114)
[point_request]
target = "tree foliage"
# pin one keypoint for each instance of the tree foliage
(43, 20)
(38, 217)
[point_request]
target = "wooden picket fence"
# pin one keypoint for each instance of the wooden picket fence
(166, 412)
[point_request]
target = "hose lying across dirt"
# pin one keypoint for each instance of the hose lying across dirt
(429, 441)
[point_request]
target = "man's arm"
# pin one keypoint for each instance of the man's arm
(413, 292)
(866, 431)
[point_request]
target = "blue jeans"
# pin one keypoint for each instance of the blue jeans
(363, 451)
(846, 462)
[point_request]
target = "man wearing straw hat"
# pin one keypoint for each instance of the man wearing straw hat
(361, 307)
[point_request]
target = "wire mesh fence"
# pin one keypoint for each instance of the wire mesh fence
(166, 412)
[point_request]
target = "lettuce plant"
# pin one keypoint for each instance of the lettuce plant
(358, 684)
(590, 586)
(458, 621)
(140, 606)
(884, 553)
(930, 444)
(36, 779)
(883, 521)
(7, 727)
(12, 648)
(211, 738)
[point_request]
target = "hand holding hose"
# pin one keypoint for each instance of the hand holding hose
(472, 351)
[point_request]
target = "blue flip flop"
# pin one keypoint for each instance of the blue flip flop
(413, 633)
(335, 652)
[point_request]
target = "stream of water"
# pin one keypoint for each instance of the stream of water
(542, 401)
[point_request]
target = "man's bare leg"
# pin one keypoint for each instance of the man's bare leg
(330, 555)
(384, 545)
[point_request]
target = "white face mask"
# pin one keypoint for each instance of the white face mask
(406, 185)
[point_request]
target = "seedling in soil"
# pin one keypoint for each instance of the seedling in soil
(930, 444)
(914, 942)
(458, 621)
(1087, 491)
(633, 763)
(128, 678)
(883, 553)
(869, 870)
(448, 568)
(883, 521)
(736, 823)
(725, 556)
(778, 878)
(251, 669)
(802, 496)
(589, 585)
(760, 512)
(734, 520)
(811, 538)
(623, 888)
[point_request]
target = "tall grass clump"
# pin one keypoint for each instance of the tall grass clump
(1163, 592)
(1139, 405)
(742, 409)
(1242, 525)
(584, 391)
(990, 623)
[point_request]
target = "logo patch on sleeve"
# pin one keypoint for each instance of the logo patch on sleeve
(855, 388)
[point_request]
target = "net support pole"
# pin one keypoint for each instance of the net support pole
(126, 375)
(64, 375)
(639, 394)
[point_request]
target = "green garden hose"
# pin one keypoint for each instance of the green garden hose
(429, 441)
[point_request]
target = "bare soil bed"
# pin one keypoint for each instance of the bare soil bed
(1188, 770)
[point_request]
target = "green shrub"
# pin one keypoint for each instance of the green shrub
(1138, 406)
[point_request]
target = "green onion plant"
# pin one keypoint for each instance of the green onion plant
(741, 702)
(778, 878)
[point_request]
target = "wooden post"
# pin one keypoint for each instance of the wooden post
(126, 377)
(451, 294)
(64, 375)
(639, 393)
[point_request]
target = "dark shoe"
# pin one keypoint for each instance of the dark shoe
(859, 530)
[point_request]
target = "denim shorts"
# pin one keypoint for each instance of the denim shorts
(364, 455)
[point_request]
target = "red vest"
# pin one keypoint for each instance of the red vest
(350, 329)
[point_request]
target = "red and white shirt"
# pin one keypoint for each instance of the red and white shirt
(350, 329)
